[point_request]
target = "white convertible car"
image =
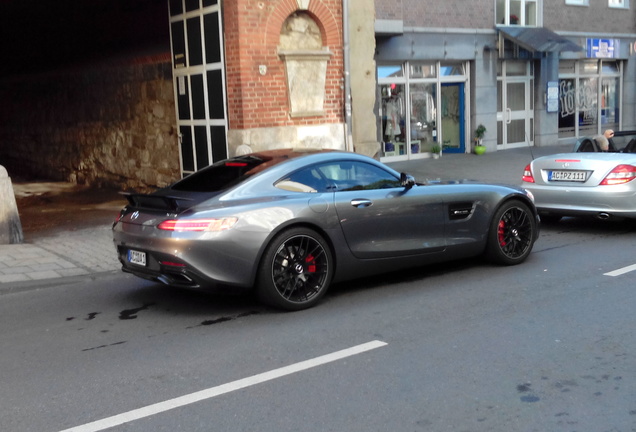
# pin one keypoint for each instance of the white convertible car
(586, 182)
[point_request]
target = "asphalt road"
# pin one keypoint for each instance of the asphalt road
(545, 346)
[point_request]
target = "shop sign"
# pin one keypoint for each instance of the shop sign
(602, 48)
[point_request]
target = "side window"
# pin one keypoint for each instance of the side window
(305, 180)
(350, 176)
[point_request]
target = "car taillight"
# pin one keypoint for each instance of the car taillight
(171, 264)
(119, 216)
(212, 225)
(527, 175)
(619, 175)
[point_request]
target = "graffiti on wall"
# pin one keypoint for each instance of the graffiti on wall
(582, 99)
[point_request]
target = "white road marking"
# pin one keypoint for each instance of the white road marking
(621, 271)
(191, 398)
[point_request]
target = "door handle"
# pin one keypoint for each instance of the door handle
(509, 116)
(361, 203)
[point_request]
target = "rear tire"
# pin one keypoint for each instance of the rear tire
(296, 270)
(512, 233)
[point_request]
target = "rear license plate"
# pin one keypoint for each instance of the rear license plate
(136, 257)
(573, 176)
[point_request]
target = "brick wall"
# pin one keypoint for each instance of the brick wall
(438, 14)
(101, 126)
(389, 10)
(252, 32)
(597, 17)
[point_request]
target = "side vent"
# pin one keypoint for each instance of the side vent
(458, 211)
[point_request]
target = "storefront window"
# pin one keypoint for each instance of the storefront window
(423, 116)
(610, 103)
(588, 106)
(517, 68)
(423, 70)
(390, 71)
(567, 105)
(589, 67)
(409, 114)
(451, 69)
(393, 119)
(589, 100)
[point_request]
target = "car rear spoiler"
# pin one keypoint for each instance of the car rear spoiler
(157, 202)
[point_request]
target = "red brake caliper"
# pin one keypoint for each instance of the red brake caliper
(311, 268)
(501, 233)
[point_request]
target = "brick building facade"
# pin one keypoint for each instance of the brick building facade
(249, 75)
(252, 38)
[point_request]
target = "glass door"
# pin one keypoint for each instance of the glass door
(452, 113)
(515, 110)
(199, 82)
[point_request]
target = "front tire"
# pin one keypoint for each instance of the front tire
(513, 231)
(296, 270)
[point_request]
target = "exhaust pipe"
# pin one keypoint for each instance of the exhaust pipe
(164, 279)
(176, 279)
(603, 216)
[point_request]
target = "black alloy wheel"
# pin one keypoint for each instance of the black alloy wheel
(512, 233)
(296, 270)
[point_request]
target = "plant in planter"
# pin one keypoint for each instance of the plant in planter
(436, 150)
(479, 137)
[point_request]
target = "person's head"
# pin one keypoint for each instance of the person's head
(602, 142)
(609, 133)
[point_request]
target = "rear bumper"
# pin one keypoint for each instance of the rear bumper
(619, 201)
(178, 274)
(197, 262)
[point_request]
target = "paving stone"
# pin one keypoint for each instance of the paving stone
(18, 277)
(49, 274)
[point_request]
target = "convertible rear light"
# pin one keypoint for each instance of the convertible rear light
(527, 175)
(212, 225)
(619, 175)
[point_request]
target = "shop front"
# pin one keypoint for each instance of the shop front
(589, 97)
(422, 109)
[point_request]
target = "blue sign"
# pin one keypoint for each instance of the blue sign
(602, 48)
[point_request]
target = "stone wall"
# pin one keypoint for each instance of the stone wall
(363, 82)
(100, 126)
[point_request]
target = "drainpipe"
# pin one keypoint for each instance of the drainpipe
(347, 77)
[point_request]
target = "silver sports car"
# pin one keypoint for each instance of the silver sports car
(586, 182)
(291, 222)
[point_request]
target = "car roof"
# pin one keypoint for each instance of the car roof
(243, 171)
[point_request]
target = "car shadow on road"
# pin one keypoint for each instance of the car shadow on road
(391, 280)
(590, 225)
(216, 307)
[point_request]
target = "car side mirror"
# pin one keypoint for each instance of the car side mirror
(407, 181)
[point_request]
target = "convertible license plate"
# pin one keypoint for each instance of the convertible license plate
(573, 176)
(137, 257)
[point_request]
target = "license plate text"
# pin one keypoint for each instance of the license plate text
(574, 176)
(137, 257)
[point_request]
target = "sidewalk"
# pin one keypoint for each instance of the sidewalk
(66, 230)
(87, 248)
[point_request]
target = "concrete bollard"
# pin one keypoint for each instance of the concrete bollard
(10, 226)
